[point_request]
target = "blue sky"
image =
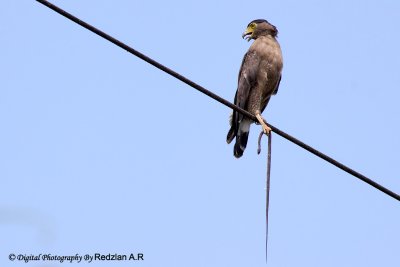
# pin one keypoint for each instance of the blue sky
(100, 152)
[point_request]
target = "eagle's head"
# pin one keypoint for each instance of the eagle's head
(259, 27)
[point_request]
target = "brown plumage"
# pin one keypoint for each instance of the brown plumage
(259, 78)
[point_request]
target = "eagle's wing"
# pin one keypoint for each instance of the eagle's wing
(277, 85)
(247, 79)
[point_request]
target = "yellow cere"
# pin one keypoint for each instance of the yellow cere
(251, 28)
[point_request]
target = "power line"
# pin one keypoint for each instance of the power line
(219, 99)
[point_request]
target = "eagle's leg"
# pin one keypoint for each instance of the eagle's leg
(265, 127)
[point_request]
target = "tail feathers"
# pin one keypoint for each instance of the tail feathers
(241, 138)
(239, 130)
(240, 145)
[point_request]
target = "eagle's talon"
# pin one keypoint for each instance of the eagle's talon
(266, 129)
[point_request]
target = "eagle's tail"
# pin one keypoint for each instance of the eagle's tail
(242, 136)
(240, 145)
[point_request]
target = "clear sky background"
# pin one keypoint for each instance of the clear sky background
(101, 152)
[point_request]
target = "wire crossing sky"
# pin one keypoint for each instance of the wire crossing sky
(103, 153)
(219, 99)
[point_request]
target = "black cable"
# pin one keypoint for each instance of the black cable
(218, 98)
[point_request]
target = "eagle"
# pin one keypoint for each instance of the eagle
(259, 78)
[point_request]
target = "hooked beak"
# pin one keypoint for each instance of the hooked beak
(247, 35)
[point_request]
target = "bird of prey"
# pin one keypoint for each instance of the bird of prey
(259, 78)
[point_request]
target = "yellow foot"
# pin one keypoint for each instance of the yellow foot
(265, 127)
